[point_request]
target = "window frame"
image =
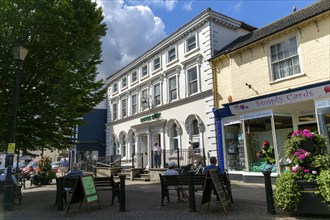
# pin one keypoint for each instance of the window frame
(282, 62)
(132, 76)
(187, 44)
(123, 107)
(144, 73)
(169, 60)
(115, 87)
(144, 108)
(114, 111)
(122, 82)
(190, 83)
(159, 64)
(170, 90)
(134, 105)
(156, 96)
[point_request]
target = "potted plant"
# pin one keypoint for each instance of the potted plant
(46, 173)
(301, 189)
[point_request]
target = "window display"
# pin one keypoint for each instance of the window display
(234, 147)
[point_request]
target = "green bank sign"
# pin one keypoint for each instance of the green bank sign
(150, 117)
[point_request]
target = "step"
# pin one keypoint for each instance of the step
(142, 179)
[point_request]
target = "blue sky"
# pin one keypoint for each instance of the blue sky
(134, 26)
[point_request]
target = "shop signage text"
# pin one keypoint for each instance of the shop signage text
(290, 97)
(150, 117)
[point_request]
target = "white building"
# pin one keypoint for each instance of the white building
(165, 96)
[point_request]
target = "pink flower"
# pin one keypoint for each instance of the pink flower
(301, 157)
(296, 154)
(307, 154)
(306, 170)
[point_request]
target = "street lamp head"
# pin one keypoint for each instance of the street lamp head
(19, 52)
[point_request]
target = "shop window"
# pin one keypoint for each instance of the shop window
(283, 130)
(234, 147)
(285, 59)
(256, 131)
(323, 115)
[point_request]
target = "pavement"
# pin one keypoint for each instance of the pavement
(143, 202)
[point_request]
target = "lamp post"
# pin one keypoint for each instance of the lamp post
(19, 54)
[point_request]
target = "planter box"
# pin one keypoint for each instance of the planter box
(311, 203)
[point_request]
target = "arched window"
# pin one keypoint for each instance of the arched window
(123, 146)
(195, 134)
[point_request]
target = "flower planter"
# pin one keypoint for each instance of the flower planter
(307, 145)
(312, 204)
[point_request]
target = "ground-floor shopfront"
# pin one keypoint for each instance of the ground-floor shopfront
(244, 125)
(171, 128)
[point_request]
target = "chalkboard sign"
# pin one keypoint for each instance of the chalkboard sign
(213, 181)
(84, 190)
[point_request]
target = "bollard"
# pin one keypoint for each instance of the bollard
(59, 194)
(8, 191)
(269, 192)
(192, 204)
(122, 193)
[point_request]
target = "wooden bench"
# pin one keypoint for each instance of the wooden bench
(16, 192)
(181, 182)
(63, 187)
(21, 178)
(107, 183)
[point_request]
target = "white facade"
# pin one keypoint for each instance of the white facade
(165, 96)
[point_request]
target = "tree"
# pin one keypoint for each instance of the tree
(58, 81)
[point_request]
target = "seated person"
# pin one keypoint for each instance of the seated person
(75, 172)
(212, 166)
(13, 178)
(172, 171)
(34, 177)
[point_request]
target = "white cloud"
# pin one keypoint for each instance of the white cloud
(187, 6)
(169, 5)
(131, 31)
(238, 7)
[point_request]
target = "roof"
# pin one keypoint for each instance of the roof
(277, 26)
(181, 31)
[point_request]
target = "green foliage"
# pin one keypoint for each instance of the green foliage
(45, 168)
(310, 161)
(287, 192)
(323, 185)
(58, 77)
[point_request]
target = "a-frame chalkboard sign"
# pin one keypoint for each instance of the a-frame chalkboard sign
(213, 181)
(84, 190)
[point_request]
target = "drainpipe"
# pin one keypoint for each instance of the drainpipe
(216, 106)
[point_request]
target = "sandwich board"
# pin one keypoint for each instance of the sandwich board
(84, 190)
(214, 182)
